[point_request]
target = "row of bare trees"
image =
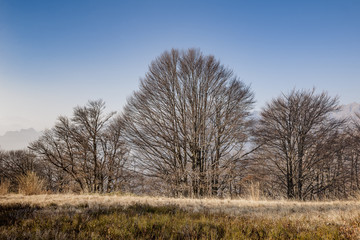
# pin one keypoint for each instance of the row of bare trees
(189, 131)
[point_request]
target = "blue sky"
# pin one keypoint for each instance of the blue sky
(55, 55)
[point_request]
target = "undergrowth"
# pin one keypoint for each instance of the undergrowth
(23, 221)
(30, 184)
(4, 186)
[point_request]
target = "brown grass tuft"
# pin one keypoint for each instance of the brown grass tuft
(30, 184)
(4, 187)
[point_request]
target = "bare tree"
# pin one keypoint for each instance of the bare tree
(351, 158)
(88, 148)
(296, 135)
(15, 163)
(189, 122)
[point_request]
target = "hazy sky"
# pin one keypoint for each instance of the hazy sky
(55, 55)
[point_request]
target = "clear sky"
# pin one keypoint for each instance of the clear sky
(55, 55)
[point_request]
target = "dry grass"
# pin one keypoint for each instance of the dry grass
(4, 187)
(94, 216)
(30, 184)
(330, 212)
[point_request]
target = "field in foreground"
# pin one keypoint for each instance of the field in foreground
(128, 217)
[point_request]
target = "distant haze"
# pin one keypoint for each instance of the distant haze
(348, 110)
(14, 140)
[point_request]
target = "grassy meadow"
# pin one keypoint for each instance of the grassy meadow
(70, 216)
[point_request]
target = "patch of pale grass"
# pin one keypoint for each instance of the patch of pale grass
(4, 187)
(332, 212)
(30, 184)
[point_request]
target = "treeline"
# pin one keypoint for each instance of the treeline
(189, 131)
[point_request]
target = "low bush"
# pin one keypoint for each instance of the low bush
(30, 184)
(4, 187)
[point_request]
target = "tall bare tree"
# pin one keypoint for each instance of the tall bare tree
(189, 122)
(296, 135)
(88, 147)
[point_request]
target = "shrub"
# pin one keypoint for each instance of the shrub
(4, 187)
(30, 184)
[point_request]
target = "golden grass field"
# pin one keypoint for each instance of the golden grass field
(111, 216)
(331, 212)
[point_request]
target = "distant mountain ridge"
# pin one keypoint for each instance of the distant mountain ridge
(348, 110)
(15, 140)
